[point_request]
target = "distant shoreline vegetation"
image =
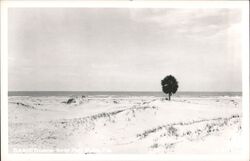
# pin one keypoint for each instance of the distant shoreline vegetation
(121, 93)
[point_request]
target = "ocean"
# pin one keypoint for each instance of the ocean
(119, 94)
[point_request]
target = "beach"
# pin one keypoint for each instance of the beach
(136, 81)
(124, 125)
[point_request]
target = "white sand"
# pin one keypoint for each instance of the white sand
(125, 125)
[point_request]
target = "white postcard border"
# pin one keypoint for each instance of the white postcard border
(5, 5)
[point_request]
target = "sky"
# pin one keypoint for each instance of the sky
(123, 49)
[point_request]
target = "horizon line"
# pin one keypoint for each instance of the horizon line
(110, 91)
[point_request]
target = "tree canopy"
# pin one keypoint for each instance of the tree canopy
(169, 85)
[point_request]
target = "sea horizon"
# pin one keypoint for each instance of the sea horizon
(123, 93)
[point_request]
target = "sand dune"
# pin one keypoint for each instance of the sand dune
(124, 125)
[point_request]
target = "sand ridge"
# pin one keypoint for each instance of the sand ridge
(124, 125)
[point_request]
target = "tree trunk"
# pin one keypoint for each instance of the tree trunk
(169, 96)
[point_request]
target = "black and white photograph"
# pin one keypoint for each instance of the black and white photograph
(125, 80)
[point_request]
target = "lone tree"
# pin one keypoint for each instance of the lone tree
(169, 85)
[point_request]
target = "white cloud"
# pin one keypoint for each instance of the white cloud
(190, 22)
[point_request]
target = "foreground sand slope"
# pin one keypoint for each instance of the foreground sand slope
(125, 125)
